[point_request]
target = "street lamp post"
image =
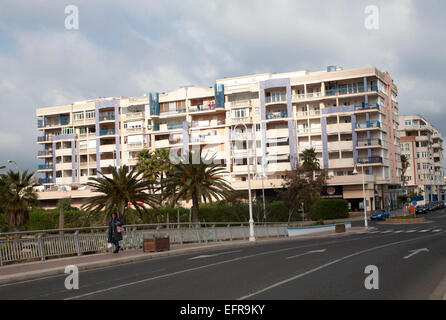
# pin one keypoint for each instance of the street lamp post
(251, 220)
(15, 163)
(366, 224)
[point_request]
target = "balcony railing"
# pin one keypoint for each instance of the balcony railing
(174, 126)
(369, 142)
(44, 153)
(163, 112)
(276, 98)
(366, 106)
(106, 132)
(370, 160)
(43, 138)
(44, 166)
(349, 90)
(106, 117)
(40, 123)
(45, 180)
(368, 124)
(199, 108)
(276, 115)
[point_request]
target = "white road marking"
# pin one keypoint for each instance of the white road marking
(213, 255)
(410, 231)
(414, 252)
(309, 252)
(436, 230)
(207, 266)
(423, 231)
(326, 265)
(399, 231)
(387, 231)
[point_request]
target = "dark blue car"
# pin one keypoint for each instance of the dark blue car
(380, 215)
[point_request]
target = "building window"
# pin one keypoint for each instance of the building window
(90, 114)
(78, 116)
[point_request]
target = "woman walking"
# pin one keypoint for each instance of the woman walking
(114, 231)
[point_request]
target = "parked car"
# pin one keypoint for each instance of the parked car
(380, 215)
(431, 206)
(421, 210)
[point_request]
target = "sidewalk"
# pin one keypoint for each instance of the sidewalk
(40, 269)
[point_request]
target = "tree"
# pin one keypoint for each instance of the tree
(310, 162)
(17, 197)
(200, 181)
(300, 187)
(404, 167)
(124, 188)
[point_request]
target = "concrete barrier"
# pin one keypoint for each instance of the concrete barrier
(300, 231)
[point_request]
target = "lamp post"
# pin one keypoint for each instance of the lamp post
(366, 224)
(251, 220)
(15, 163)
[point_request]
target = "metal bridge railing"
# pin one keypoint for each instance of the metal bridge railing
(43, 244)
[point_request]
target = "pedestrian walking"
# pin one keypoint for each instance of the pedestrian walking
(115, 231)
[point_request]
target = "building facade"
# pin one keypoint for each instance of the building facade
(350, 117)
(422, 144)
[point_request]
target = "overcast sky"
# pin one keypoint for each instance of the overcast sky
(130, 48)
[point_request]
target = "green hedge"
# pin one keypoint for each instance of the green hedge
(325, 209)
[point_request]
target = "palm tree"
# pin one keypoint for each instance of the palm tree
(17, 196)
(310, 162)
(197, 181)
(155, 166)
(404, 167)
(124, 188)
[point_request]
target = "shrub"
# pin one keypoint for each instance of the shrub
(326, 209)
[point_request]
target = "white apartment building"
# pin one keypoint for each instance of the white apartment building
(350, 117)
(422, 144)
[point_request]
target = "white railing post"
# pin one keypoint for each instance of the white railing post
(230, 233)
(41, 248)
(198, 234)
(215, 232)
(135, 245)
(77, 243)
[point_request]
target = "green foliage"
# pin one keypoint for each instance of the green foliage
(64, 203)
(329, 209)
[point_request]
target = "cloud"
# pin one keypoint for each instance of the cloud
(132, 48)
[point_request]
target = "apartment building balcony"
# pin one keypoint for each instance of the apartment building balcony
(309, 131)
(45, 180)
(339, 127)
(64, 180)
(40, 123)
(257, 184)
(350, 90)
(309, 113)
(136, 146)
(356, 179)
(240, 103)
(107, 132)
(373, 124)
(277, 98)
(44, 167)
(340, 145)
(162, 144)
(64, 152)
(207, 123)
(64, 165)
(369, 143)
(278, 167)
(201, 108)
(107, 148)
(134, 115)
(108, 162)
(276, 115)
(45, 153)
(174, 126)
(241, 120)
(371, 160)
(274, 150)
(340, 163)
(173, 113)
(156, 127)
(277, 133)
(214, 139)
(46, 138)
(418, 127)
(106, 117)
(138, 130)
(367, 106)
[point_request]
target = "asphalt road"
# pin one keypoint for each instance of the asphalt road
(324, 268)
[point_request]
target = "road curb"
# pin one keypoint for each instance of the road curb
(34, 275)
